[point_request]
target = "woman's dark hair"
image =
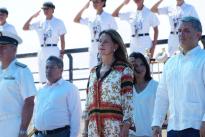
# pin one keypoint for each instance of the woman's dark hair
(138, 55)
(121, 53)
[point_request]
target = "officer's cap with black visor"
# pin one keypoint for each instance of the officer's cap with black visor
(9, 38)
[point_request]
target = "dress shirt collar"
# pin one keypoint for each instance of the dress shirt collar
(59, 82)
(192, 51)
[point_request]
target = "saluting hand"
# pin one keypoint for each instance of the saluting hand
(126, 2)
(87, 5)
(36, 14)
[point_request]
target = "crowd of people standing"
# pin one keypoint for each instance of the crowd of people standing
(123, 100)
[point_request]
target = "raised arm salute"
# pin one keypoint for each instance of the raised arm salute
(100, 22)
(140, 22)
(182, 9)
(50, 31)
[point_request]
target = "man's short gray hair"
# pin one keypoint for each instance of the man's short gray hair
(195, 22)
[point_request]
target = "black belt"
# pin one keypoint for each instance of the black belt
(174, 32)
(97, 40)
(48, 45)
(140, 35)
(54, 131)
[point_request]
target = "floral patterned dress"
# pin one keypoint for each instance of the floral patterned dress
(109, 100)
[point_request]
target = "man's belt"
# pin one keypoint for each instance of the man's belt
(140, 35)
(174, 32)
(95, 40)
(48, 45)
(54, 131)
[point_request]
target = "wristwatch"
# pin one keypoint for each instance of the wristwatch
(23, 132)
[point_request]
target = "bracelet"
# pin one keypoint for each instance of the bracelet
(23, 132)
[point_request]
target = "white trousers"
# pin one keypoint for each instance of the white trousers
(10, 127)
(43, 54)
(173, 44)
(140, 44)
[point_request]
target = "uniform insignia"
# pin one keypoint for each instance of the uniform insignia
(20, 65)
(9, 78)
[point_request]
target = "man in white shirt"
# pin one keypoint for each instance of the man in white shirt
(17, 89)
(100, 22)
(49, 32)
(182, 9)
(3, 23)
(181, 90)
(57, 108)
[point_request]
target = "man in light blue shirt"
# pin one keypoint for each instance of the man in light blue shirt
(181, 89)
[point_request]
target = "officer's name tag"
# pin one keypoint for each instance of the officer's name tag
(9, 78)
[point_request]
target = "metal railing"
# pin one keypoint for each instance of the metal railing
(69, 53)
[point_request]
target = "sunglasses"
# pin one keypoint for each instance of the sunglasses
(45, 9)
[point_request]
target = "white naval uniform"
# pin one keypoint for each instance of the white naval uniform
(49, 32)
(175, 14)
(99, 23)
(16, 84)
(140, 22)
(8, 27)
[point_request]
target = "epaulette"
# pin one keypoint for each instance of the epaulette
(20, 65)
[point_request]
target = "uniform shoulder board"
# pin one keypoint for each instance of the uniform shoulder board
(20, 65)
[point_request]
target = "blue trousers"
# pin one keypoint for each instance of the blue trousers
(64, 133)
(189, 132)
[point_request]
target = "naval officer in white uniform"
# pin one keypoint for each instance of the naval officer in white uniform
(17, 89)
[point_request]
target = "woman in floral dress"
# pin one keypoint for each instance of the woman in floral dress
(109, 93)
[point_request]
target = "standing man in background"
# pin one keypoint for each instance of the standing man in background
(181, 90)
(181, 10)
(49, 32)
(102, 21)
(57, 108)
(17, 89)
(3, 23)
(140, 22)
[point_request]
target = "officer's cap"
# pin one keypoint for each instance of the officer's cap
(4, 11)
(48, 5)
(7, 37)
